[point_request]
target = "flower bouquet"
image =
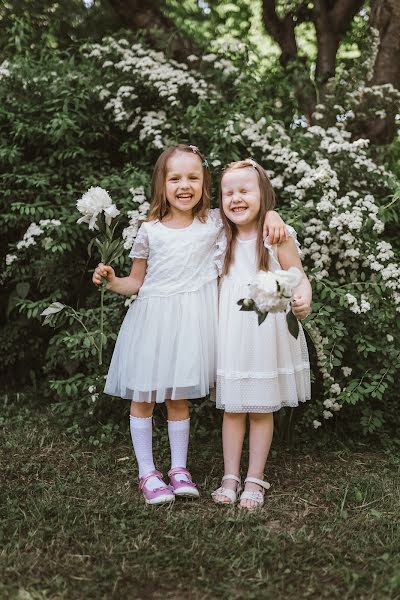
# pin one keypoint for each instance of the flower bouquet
(272, 292)
(98, 212)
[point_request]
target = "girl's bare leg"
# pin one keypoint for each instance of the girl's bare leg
(233, 430)
(261, 432)
(142, 410)
(177, 410)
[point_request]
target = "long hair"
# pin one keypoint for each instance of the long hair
(159, 206)
(267, 202)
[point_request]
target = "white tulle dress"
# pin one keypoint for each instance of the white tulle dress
(166, 347)
(260, 368)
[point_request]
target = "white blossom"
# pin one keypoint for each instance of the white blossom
(95, 201)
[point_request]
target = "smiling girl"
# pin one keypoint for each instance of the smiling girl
(260, 368)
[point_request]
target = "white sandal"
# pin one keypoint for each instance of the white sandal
(230, 494)
(257, 497)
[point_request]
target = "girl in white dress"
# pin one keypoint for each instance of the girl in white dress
(260, 368)
(166, 348)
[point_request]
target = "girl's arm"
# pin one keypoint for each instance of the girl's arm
(275, 228)
(127, 286)
(288, 256)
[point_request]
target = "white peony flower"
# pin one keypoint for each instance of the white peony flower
(316, 424)
(95, 201)
(271, 292)
(347, 371)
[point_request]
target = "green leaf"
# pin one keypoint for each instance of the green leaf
(54, 308)
(22, 289)
(246, 304)
(262, 317)
(293, 324)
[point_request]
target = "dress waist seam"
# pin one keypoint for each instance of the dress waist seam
(186, 291)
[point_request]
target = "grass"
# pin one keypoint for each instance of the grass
(74, 527)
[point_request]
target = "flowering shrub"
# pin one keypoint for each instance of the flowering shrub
(108, 114)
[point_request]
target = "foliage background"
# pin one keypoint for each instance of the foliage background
(84, 102)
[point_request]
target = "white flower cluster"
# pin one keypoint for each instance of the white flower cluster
(28, 239)
(135, 216)
(95, 201)
(356, 308)
(142, 71)
(151, 128)
(10, 258)
(221, 64)
(4, 69)
(272, 291)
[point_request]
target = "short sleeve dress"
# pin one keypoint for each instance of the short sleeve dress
(260, 368)
(166, 347)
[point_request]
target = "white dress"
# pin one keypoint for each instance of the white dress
(260, 368)
(166, 347)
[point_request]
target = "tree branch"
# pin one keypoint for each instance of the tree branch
(147, 15)
(281, 30)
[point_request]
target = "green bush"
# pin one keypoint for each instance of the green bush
(99, 115)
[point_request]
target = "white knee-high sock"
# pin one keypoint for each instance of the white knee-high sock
(142, 441)
(178, 433)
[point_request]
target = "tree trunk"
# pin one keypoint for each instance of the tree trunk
(332, 20)
(385, 17)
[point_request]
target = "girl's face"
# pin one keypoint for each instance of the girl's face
(241, 197)
(184, 181)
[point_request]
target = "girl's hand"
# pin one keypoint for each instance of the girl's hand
(301, 307)
(103, 272)
(275, 228)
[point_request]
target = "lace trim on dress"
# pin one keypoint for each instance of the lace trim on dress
(305, 366)
(140, 248)
(214, 215)
(219, 254)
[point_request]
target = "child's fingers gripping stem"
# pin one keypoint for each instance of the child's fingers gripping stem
(103, 272)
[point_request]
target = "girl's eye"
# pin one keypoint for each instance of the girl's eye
(173, 179)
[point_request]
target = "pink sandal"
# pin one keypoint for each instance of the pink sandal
(186, 489)
(160, 495)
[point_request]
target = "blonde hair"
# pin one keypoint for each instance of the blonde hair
(267, 202)
(159, 206)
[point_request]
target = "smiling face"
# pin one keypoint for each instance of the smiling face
(241, 196)
(183, 181)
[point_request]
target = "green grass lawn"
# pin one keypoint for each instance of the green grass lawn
(73, 525)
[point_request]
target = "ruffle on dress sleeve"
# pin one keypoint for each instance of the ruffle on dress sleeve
(219, 254)
(140, 248)
(272, 250)
(214, 215)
